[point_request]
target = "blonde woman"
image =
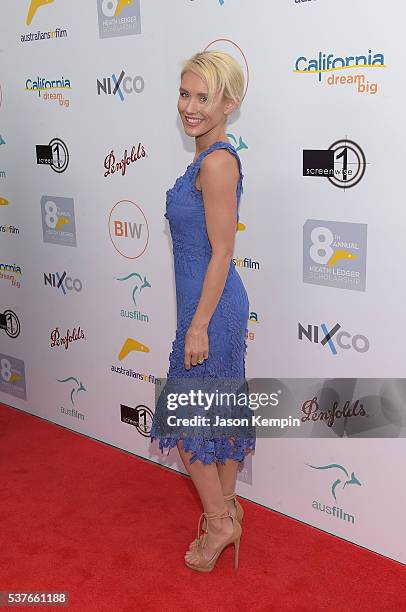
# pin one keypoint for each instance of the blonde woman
(212, 304)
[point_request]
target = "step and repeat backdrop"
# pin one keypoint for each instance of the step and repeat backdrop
(90, 140)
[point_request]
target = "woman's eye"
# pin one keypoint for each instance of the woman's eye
(183, 93)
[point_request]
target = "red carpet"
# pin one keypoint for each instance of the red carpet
(111, 529)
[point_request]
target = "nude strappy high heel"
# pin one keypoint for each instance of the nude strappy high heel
(239, 515)
(206, 565)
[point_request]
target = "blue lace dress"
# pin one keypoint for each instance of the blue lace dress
(226, 330)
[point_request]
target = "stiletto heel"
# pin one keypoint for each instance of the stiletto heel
(206, 565)
(236, 549)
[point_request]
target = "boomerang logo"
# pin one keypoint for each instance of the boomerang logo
(34, 6)
(351, 480)
(143, 284)
(76, 388)
(121, 5)
(132, 345)
(339, 255)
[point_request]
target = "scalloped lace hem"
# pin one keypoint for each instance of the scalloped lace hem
(216, 450)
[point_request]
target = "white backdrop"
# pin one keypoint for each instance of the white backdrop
(64, 266)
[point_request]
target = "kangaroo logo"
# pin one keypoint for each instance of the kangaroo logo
(79, 387)
(351, 480)
(241, 144)
(142, 284)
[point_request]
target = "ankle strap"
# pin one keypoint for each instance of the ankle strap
(229, 497)
(212, 515)
(216, 515)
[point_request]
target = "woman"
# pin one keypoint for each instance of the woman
(212, 303)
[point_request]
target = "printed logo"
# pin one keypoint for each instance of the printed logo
(247, 262)
(140, 416)
(121, 85)
(65, 341)
(62, 282)
(12, 230)
(12, 376)
(138, 283)
(49, 35)
(74, 386)
(254, 320)
(340, 480)
(111, 166)
(132, 345)
(45, 89)
(118, 17)
(58, 220)
(343, 164)
(334, 338)
(34, 6)
(3, 201)
(54, 154)
(128, 228)
(10, 323)
(335, 254)
(12, 273)
(312, 411)
(324, 64)
(2, 141)
(2, 174)
(142, 376)
(238, 144)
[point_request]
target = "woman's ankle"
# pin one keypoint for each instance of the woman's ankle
(221, 524)
(230, 505)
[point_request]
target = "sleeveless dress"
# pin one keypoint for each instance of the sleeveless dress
(225, 365)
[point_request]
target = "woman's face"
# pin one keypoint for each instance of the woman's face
(196, 117)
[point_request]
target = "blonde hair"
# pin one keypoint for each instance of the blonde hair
(221, 72)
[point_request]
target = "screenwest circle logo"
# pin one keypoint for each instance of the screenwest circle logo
(128, 229)
(10, 323)
(54, 154)
(343, 163)
(327, 67)
(140, 417)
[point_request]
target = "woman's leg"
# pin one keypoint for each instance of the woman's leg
(228, 476)
(207, 482)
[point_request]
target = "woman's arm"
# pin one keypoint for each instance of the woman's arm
(219, 174)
